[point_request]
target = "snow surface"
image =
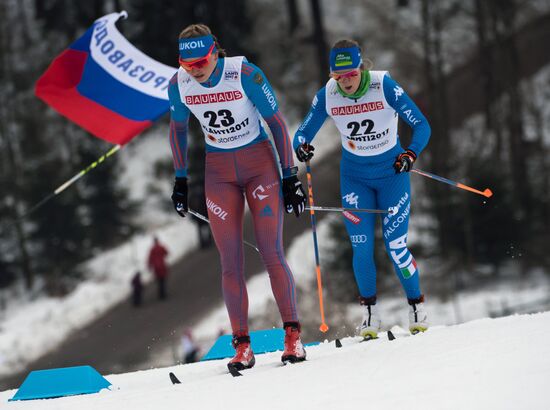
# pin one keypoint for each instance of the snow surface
(393, 310)
(484, 364)
(30, 329)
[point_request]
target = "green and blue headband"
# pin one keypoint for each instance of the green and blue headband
(345, 58)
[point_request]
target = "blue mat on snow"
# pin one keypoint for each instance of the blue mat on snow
(263, 341)
(66, 381)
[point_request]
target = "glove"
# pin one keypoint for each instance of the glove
(404, 161)
(293, 195)
(304, 152)
(179, 196)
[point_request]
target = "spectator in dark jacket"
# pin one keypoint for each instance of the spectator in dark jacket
(137, 289)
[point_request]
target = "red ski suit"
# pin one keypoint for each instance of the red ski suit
(246, 167)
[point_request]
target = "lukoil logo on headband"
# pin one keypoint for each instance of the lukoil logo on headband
(190, 45)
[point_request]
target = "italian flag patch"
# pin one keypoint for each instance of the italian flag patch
(409, 270)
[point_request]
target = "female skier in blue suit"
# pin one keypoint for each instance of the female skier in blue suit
(365, 106)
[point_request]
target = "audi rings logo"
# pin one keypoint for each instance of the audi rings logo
(358, 239)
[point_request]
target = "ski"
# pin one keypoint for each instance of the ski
(233, 371)
(174, 379)
(292, 360)
(415, 332)
(390, 336)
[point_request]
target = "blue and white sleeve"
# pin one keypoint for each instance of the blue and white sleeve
(409, 112)
(260, 92)
(313, 121)
(179, 124)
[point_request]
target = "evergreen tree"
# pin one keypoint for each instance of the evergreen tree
(160, 23)
(106, 210)
(41, 150)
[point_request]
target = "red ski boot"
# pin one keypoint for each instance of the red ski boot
(244, 357)
(294, 349)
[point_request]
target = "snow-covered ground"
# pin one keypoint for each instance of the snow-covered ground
(484, 364)
(462, 307)
(30, 329)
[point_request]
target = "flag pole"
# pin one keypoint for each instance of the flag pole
(68, 183)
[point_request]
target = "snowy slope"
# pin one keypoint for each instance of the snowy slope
(28, 330)
(485, 364)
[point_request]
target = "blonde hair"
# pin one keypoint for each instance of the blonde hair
(347, 43)
(199, 30)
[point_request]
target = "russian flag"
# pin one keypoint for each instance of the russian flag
(106, 85)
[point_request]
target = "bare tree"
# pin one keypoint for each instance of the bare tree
(319, 40)
(293, 16)
(9, 140)
(440, 146)
(505, 28)
(487, 66)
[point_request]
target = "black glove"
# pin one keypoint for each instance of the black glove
(294, 195)
(404, 161)
(179, 196)
(304, 152)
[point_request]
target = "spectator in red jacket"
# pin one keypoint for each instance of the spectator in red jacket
(157, 265)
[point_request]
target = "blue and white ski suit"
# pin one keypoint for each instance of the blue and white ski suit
(370, 145)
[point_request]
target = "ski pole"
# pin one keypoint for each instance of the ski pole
(338, 209)
(205, 219)
(323, 328)
(487, 193)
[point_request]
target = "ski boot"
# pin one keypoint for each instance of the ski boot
(418, 318)
(244, 357)
(371, 324)
(294, 349)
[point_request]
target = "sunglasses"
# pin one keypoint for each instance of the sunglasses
(349, 74)
(197, 63)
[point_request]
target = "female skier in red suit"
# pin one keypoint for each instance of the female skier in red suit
(229, 96)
